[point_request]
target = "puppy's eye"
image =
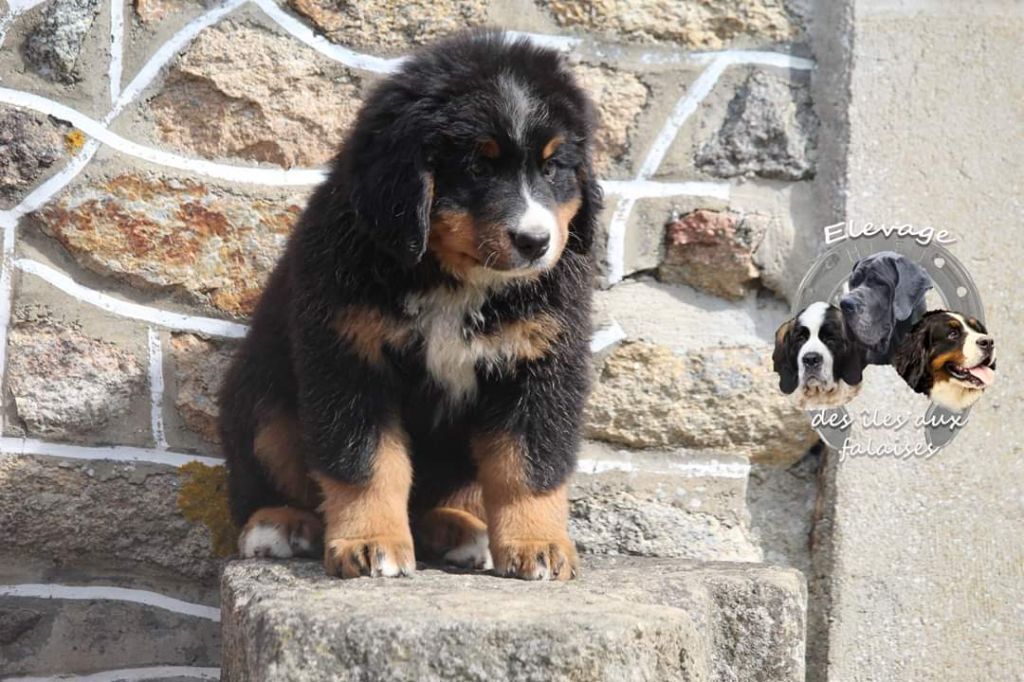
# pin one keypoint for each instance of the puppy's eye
(953, 334)
(550, 170)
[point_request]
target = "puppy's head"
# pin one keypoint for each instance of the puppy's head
(478, 152)
(949, 357)
(885, 288)
(814, 353)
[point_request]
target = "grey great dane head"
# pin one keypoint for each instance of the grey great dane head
(885, 298)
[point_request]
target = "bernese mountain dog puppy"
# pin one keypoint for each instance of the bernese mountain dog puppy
(816, 353)
(418, 363)
(948, 357)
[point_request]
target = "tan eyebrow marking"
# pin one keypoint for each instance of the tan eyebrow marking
(553, 144)
(489, 148)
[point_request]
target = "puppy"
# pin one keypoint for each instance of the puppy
(814, 352)
(948, 357)
(418, 362)
(885, 299)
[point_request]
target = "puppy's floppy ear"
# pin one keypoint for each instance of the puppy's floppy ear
(784, 359)
(911, 359)
(912, 283)
(392, 187)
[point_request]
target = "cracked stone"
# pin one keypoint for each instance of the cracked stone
(29, 145)
(211, 245)
(243, 91)
(722, 398)
(53, 46)
(770, 130)
(65, 383)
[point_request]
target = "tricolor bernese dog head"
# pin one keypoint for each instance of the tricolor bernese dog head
(816, 357)
(949, 357)
(476, 153)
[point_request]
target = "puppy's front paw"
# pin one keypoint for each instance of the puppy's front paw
(280, 533)
(382, 556)
(536, 559)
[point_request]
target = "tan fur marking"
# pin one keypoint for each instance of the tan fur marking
(564, 213)
(529, 535)
(780, 333)
(525, 339)
(368, 525)
(489, 148)
(368, 330)
(277, 447)
(956, 357)
(453, 240)
(445, 528)
(549, 149)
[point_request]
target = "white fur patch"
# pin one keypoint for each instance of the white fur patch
(539, 220)
(264, 540)
(473, 554)
(813, 317)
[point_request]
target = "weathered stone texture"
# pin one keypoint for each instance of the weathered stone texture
(710, 250)
(244, 91)
(199, 369)
(72, 510)
(624, 619)
(66, 383)
(721, 398)
(695, 25)
(53, 46)
(214, 246)
(390, 27)
(153, 11)
(29, 144)
(770, 130)
(620, 96)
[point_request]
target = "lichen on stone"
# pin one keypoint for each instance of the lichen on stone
(203, 498)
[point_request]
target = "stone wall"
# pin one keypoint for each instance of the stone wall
(154, 156)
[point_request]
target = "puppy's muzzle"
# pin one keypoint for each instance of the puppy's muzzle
(530, 244)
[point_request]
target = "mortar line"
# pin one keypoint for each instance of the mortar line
(156, 388)
(110, 593)
(6, 302)
(131, 674)
(156, 316)
(615, 252)
(11, 446)
(116, 49)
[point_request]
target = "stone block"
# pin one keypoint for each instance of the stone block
(52, 47)
(624, 619)
(29, 145)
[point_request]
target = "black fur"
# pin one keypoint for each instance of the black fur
(928, 339)
(362, 240)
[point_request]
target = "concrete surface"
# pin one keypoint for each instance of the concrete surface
(624, 619)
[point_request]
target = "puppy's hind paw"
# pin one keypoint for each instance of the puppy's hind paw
(280, 533)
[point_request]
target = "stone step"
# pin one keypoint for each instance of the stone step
(624, 619)
(100, 617)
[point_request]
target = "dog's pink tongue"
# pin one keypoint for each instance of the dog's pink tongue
(984, 373)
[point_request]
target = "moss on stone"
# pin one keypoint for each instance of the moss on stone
(203, 498)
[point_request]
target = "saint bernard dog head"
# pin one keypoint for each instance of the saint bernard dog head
(816, 357)
(949, 357)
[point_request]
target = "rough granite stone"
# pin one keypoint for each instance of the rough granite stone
(153, 11)
(620, 96)
(199, 368)
(633, 619)
(65, 383)
(244, 91)
(694, 25)
(390, 27)
(29, 145)
(211, 245)
(83, 635)
(770, 130)
(722, 398)
(53, 46)
(70, 510)
(713, 251)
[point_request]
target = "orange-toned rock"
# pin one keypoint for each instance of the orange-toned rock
(214, 247)
(199, 369)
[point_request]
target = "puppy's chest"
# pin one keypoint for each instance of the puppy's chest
(458, 337)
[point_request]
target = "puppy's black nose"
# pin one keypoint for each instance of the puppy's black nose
(530, 245)
(848, 305)
(812, 360)
(987, 342)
